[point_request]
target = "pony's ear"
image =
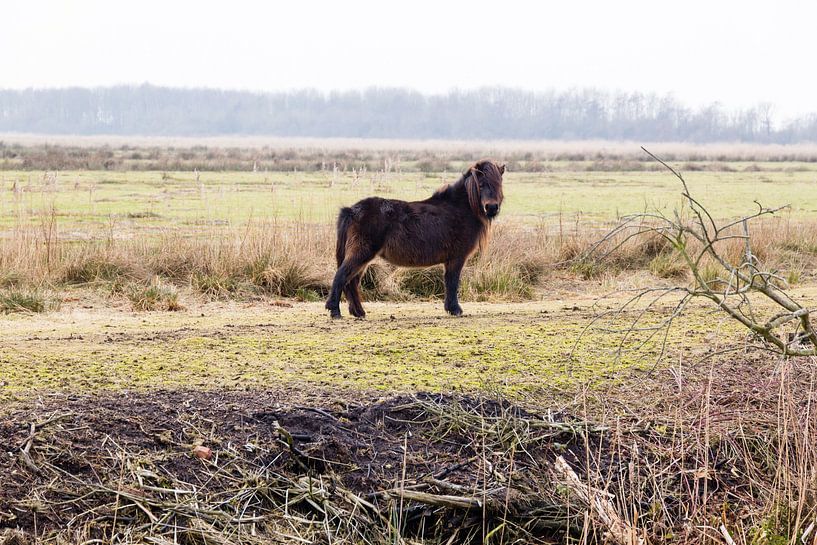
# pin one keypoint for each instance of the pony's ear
(502, 168)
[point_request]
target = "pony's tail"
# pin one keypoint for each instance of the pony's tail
(344, 219)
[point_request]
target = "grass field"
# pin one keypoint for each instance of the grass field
(150, 200)
(182, 310)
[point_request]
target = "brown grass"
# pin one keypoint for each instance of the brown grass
(295, 260)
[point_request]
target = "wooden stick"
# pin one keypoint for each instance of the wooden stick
(598, 501)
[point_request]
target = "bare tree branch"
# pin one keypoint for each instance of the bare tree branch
(699, 241)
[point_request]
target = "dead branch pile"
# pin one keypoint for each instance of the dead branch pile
(188, 467)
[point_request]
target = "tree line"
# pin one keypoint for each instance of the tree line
(486, 113)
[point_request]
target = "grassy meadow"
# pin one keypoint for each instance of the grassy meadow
(185, 200)
(150, 311)
(224, 234)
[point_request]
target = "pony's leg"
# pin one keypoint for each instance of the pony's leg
(352, 292)
(452, 285)
(340, 281)
(353, 265)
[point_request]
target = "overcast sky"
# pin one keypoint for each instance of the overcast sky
(738, 53)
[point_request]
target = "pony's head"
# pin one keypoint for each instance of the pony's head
(483, 182)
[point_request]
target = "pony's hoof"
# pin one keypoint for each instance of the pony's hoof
(456, 311)
(334, 314)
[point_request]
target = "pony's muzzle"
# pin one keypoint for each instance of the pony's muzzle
(491, 210)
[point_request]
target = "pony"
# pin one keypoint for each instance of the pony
(445, 228)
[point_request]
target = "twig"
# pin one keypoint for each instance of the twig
(25, 450)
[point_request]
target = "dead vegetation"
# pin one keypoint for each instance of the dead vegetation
(707, 455)
(726, 265)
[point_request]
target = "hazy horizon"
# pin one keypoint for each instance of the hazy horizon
(738, 54)
(486, 113)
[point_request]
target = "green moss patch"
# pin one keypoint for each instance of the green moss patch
(514, 347)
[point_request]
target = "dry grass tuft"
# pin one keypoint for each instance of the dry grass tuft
(10, 279)
(287, 277)
(424, 283)
(96, 267)
(668, 264)
(213, 285)
(19, 300)
(501, 282)
(379, 282)
(153, 296)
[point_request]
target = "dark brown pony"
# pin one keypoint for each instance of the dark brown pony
(445, 228)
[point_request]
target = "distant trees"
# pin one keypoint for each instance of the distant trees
(487, 113)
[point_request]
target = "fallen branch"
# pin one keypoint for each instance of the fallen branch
(599, 503)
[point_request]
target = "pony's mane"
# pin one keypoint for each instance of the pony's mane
(486, 168)
(491, 173)
(446, 190)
